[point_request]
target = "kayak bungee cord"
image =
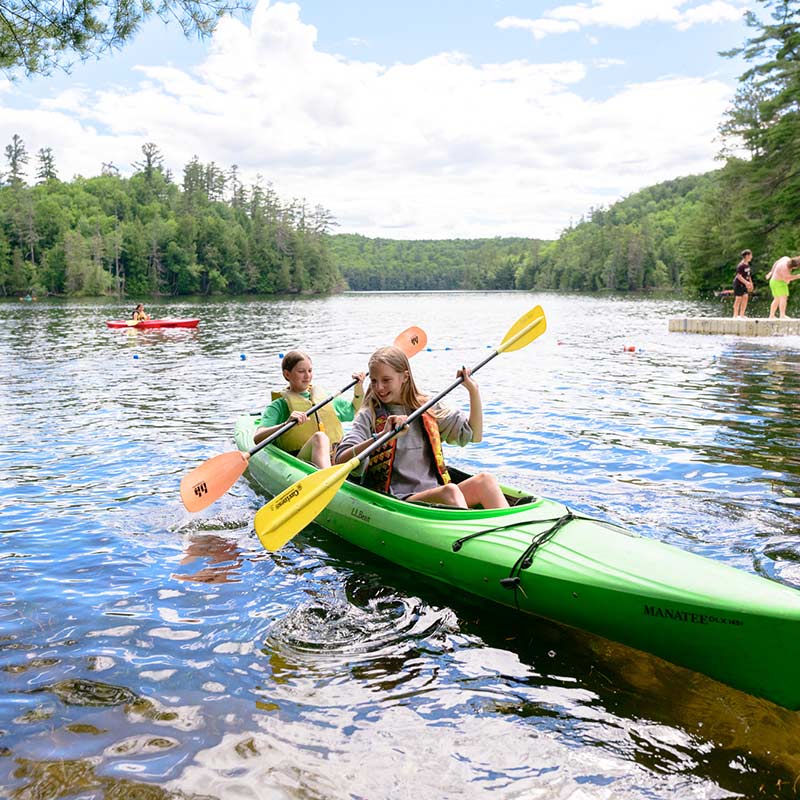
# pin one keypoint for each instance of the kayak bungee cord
(526, 557)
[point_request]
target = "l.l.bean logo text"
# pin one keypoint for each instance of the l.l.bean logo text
(359, 514)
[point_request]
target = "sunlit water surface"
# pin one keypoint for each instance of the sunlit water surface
(147, 652)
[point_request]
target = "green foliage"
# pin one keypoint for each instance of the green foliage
(387, 264)
(40, 36)
(633, 245)
(754, 200)
(144, 235)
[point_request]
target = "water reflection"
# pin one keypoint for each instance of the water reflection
(221, 555)
(167, 655)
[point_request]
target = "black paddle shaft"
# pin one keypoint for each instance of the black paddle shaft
(292, 422)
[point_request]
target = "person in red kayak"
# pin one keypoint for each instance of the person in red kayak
(411, 465)
(314, 438)
(139, 313)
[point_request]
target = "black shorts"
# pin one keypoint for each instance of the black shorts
(739, 289)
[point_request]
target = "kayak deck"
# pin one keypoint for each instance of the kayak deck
(541, 558)
(153, 323)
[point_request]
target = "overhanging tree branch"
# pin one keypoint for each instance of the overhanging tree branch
(37, 37)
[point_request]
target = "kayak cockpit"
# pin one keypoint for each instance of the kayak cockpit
(514, 496)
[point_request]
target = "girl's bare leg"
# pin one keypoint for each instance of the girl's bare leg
(448, 495)
(317, 450)
(483, 490)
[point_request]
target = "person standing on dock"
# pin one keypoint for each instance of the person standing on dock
(742, 284)
(779, 277)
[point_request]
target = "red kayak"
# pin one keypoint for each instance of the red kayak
(152, 323)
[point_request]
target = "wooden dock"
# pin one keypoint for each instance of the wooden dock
(738, 326)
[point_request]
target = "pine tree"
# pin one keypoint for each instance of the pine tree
(17, 158)
(40, 36)
(766, 114)
(46, 169)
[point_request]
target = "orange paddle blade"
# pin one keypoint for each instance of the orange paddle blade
(208, 482)
(411, 340)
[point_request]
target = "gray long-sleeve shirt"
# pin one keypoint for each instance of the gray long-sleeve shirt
(414, 469)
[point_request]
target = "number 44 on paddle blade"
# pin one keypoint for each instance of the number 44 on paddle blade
(212, 479)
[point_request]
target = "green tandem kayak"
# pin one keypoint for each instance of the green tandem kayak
(543, 559)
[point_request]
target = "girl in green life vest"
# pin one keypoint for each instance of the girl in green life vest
(314, 437)
(411, 465)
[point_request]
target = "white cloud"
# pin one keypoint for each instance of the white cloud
(717, 11)
(540, 27)
(438, 148)
(605, 63)
(626, 14)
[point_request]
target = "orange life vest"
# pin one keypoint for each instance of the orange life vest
(378, 475)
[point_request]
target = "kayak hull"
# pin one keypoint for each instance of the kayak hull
(153, 323)
(542, 559)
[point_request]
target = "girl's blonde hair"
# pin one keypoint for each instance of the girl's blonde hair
(397, 361)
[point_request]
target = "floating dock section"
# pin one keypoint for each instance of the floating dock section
(738, 326)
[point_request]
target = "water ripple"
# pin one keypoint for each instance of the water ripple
(166, 655)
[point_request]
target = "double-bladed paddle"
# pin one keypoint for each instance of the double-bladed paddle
(208, 482)
(294, 508)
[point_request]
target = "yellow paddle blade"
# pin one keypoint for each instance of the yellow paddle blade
(296, 507)
(528, 327)
(131, 323)
(411, 340)
(208, 482)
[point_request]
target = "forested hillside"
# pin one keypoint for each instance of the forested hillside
(683, 234)
(388, 264)
(146, 235)
(635, 244)
(208, 233)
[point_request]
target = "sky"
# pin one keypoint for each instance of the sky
(420, 119)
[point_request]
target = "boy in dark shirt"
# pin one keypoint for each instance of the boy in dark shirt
(742, 284)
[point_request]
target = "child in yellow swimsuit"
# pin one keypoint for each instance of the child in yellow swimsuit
(779, 277)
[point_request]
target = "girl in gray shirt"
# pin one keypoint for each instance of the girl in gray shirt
(411, 465)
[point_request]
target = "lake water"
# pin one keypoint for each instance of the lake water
(149, 653)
